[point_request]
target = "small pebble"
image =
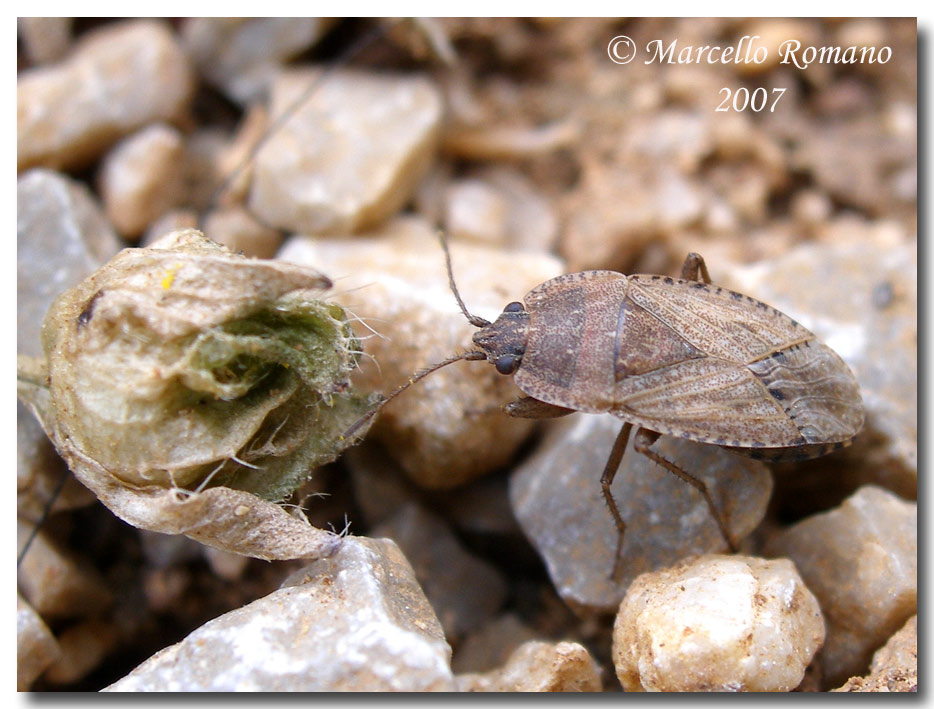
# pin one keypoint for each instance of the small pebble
(355, 621)
(501, 206)
(490, 644)
(142, 178)
(45, 39)
(746, 190)
(464, 590)
(173, 220)
(505, 143)
(238, 230)
(62, 237)
(380, 488)
(242, 55)
(481, 507)
(676, 140)
(106, 89)
(533, 221)
(539, 667)
(36, 647)
(350, 156)
(225, 564)
(231, 162)
(717, 623)
(853, 161)
(475, 211)
(56, 583)
(83, 647)
(861, 561)
(205, 168)
(679, 201)
(894, 666)
(164, 550)
(862, 32)
(165, 588)
(612, 217)
(810, 208)
(554, 151)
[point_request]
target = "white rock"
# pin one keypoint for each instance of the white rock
(45, 39)
(717, 623)
(463, 589)
(238, 230)
(118, 79)
(36, 648)
(351, 154)
(83, 646)
(861, 561)
(539, 667)
(56, 582)
(142, 178)
(241, 55)
(356, 621)
(62, 237)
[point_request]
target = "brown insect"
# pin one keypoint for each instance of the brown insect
(668, 356)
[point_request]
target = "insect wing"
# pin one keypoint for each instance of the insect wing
(764, 381)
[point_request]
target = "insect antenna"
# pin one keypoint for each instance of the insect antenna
(474, 320)
(418, 376)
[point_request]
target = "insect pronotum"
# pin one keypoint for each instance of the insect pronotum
(669, 356)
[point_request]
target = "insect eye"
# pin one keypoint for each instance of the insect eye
(507, 364)
(514, 307)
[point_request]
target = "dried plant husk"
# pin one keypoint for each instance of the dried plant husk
(192, 389)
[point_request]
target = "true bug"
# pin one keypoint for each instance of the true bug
(668, 356)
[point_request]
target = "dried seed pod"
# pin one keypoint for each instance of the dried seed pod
(192, 388)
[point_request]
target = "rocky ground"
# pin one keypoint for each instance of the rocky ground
(480, 546)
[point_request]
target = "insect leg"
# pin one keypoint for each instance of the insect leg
(609, 472)
(644, 439)
(693, 267)
(529, 408)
